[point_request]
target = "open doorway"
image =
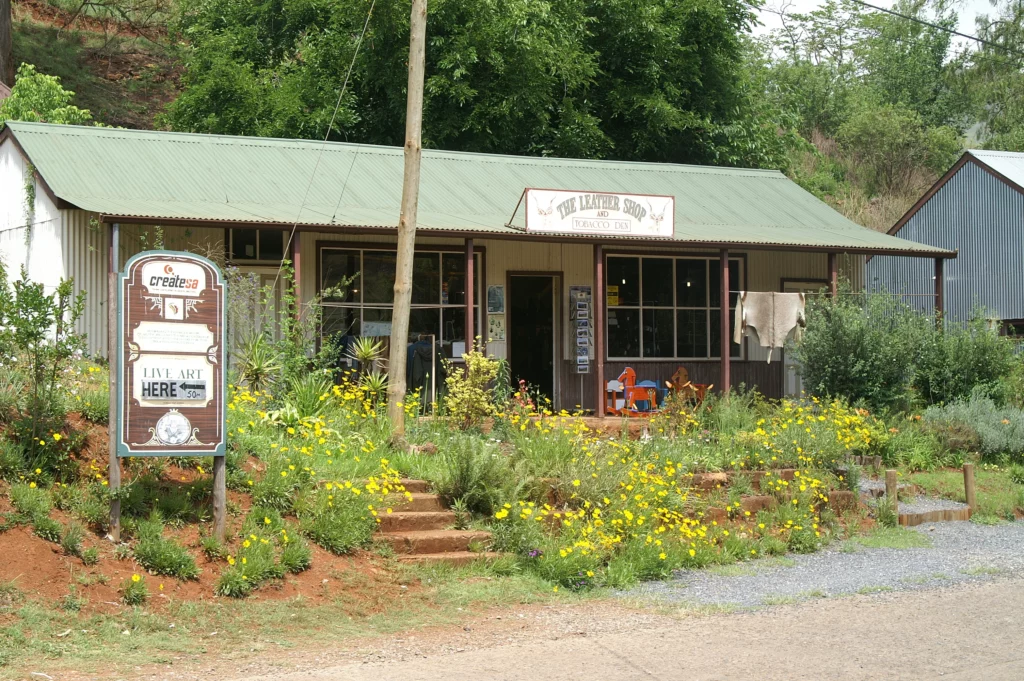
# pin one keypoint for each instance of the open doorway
(531, 330)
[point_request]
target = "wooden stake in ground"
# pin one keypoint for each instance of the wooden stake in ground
(892, 491)
(969, 486)
(407, 220)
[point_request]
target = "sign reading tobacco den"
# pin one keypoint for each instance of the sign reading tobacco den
(171, 346)
(580, 212)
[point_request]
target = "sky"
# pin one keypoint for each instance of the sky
(966, 10)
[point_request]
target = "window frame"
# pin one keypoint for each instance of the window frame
(711, 260)
(259, 240)
(479, 281)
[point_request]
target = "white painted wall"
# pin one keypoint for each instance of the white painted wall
(30, 239)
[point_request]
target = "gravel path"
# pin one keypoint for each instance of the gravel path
(960, 552)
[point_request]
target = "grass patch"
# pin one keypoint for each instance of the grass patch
(888, 538)
(982, 570)
(778, 599)
(997, 493)
(245, 627)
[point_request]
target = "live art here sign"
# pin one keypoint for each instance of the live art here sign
(171, 392)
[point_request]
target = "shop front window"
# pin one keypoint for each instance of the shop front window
(667, 307)
(358, 287)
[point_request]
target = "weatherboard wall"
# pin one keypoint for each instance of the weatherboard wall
(983, 218)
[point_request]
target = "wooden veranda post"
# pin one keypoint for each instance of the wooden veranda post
(833, 274)
(470, 287)
(599, 296)
(407, 219)
(113, 364)
(297, 266)
(726, 348)
(940, 293)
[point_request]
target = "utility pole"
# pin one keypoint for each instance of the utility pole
(407, 220)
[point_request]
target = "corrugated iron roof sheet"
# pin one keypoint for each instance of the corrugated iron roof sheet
(166, 175)
(1007, 163)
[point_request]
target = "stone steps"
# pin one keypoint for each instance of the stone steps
(435, 541)
(450, 557)
(410, 521)
(416, 530)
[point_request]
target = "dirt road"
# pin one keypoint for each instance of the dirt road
(959, 633)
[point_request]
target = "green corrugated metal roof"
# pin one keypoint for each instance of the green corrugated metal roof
(165, 175)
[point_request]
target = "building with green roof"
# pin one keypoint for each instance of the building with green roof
(576, 269)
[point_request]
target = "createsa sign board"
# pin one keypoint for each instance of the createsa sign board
(172, 383)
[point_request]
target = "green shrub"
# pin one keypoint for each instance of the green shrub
(94, 405)
(1000, 430)
(134, 591)
(953, 363)
(12, 459)
(233, 584)
(162, 555)
(29, 500)
(296, 555)
(863, 348)
(305, 394)
(468, 398)
(473, 472)
(71, 542)
(213, 548)
(339, 523)
(47, 528)
(91, 555)
(12, 392)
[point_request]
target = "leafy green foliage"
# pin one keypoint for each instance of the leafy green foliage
(41, 98)
(162, 555)
(39, 328)
(863, 349)
(962, 358)
(335, 520)
(473, 473)
(650, 80)
(134, 590)
(998, 431)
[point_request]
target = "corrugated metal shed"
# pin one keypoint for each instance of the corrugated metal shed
(163, 175)
(981, 215)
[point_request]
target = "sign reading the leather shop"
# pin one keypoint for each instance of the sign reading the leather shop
(171, 392)
(581, 212)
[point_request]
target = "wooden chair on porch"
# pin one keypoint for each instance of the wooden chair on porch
(681, 385)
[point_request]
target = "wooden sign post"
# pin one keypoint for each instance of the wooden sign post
(171, 383)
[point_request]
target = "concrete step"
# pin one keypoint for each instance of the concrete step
(410, 521)
(415, 486)
(421, 502)
(434, 541)
(452, 557)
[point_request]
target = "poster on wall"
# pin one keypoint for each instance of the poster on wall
(583, 212)
(171, 392)
(496, 327)
(496, 298)
(580, 310)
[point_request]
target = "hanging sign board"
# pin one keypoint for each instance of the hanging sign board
(171, 392)
(558, 211)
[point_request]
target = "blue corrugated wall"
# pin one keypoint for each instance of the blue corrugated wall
(981, 217)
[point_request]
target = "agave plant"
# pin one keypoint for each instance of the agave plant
(258, 363)
(365, 351)
(306, 394)
(375, 383)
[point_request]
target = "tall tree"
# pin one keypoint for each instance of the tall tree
(626, 79)
(6, 44)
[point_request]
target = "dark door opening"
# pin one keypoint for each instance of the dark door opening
(531, 331)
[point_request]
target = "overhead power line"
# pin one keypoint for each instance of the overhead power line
(941, 28)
